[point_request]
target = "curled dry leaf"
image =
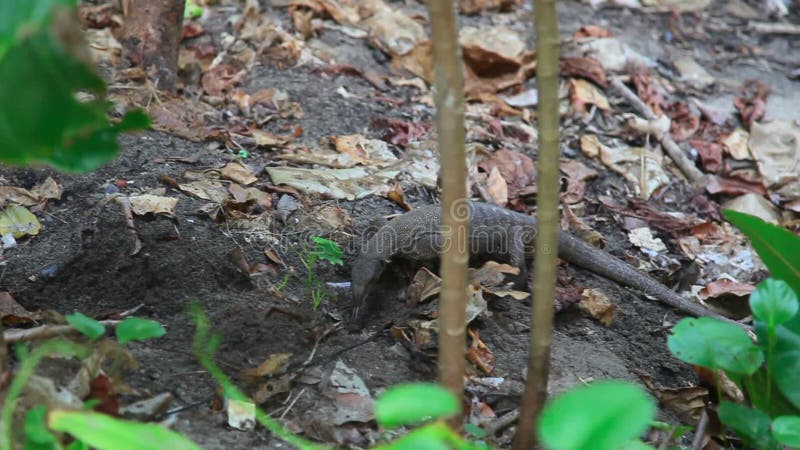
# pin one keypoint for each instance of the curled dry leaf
(735, 144)
(238, 172)
(47, 190)
(210, 190)
(591, 31)
(363, 150)
(583, 93)
(611, 52)
(12, 314)
(588, 68)
(627, 162)
(515, 168)
(275, 364)
(398, 196)
(394, 32)
(644, 239)
(497, 187)
(693, 73)
(650, 92)
(577, 175)
(751, 102)
(153, 204)
(400, 132)
(684, 123)
(732, 186)
(596, 303)
(264, 138)
(479, 353)
(755, 205)
(179, 116)
(776, 148)
(495, 59)
(222, 79)
(418, 61)
(725, 286)
(710, 154)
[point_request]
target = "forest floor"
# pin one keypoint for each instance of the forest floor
(240, 256)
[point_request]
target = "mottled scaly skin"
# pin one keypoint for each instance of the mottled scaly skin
(494, 232)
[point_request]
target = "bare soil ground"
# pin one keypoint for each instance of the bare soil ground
(81, 260)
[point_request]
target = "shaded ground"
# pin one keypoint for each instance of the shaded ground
(189, 258)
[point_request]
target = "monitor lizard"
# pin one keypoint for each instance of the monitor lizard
(493, 232)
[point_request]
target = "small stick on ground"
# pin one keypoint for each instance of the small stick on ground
(501, 423)
(697, 442)
(127, 212)
(680, 159)
(46, 331)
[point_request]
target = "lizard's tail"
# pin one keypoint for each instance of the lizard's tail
(582, 254)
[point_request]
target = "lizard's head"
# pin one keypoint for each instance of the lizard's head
(366, 272)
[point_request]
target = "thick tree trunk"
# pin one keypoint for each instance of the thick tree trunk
(151, 38)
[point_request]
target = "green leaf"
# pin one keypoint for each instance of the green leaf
(751, 425)
(138, 329)
(77, 445)
(25, 15)
(45, 122)
(715, 344)
(637, 445)
(327, 250)
(773, 302)
(786, 430)
(407, 404)
(191, 10)
(86, 325)
(475, 431)
(777, 246)
(37, 436)
(603, 415)
(435, 436)
(105, 432)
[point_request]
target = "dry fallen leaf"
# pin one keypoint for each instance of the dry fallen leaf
(735, 144)
(238, 172)
(751, 102)
(275, 364)
(153, 204)
(627, 161)
(479, 353)
(725, 286)
(583, 93)
(394, 32)
(497, 187)
(596, 303)
(515, 168)
(12, 314)
(210, 190)
(776, 148)
(755, 205)
(588, 68)
(495, 59)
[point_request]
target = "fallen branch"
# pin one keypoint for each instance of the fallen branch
(47, 331)
(677, 155)
(774, 28)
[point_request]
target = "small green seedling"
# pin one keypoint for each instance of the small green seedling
(323, 249)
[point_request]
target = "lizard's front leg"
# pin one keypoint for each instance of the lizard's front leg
(516, 255)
